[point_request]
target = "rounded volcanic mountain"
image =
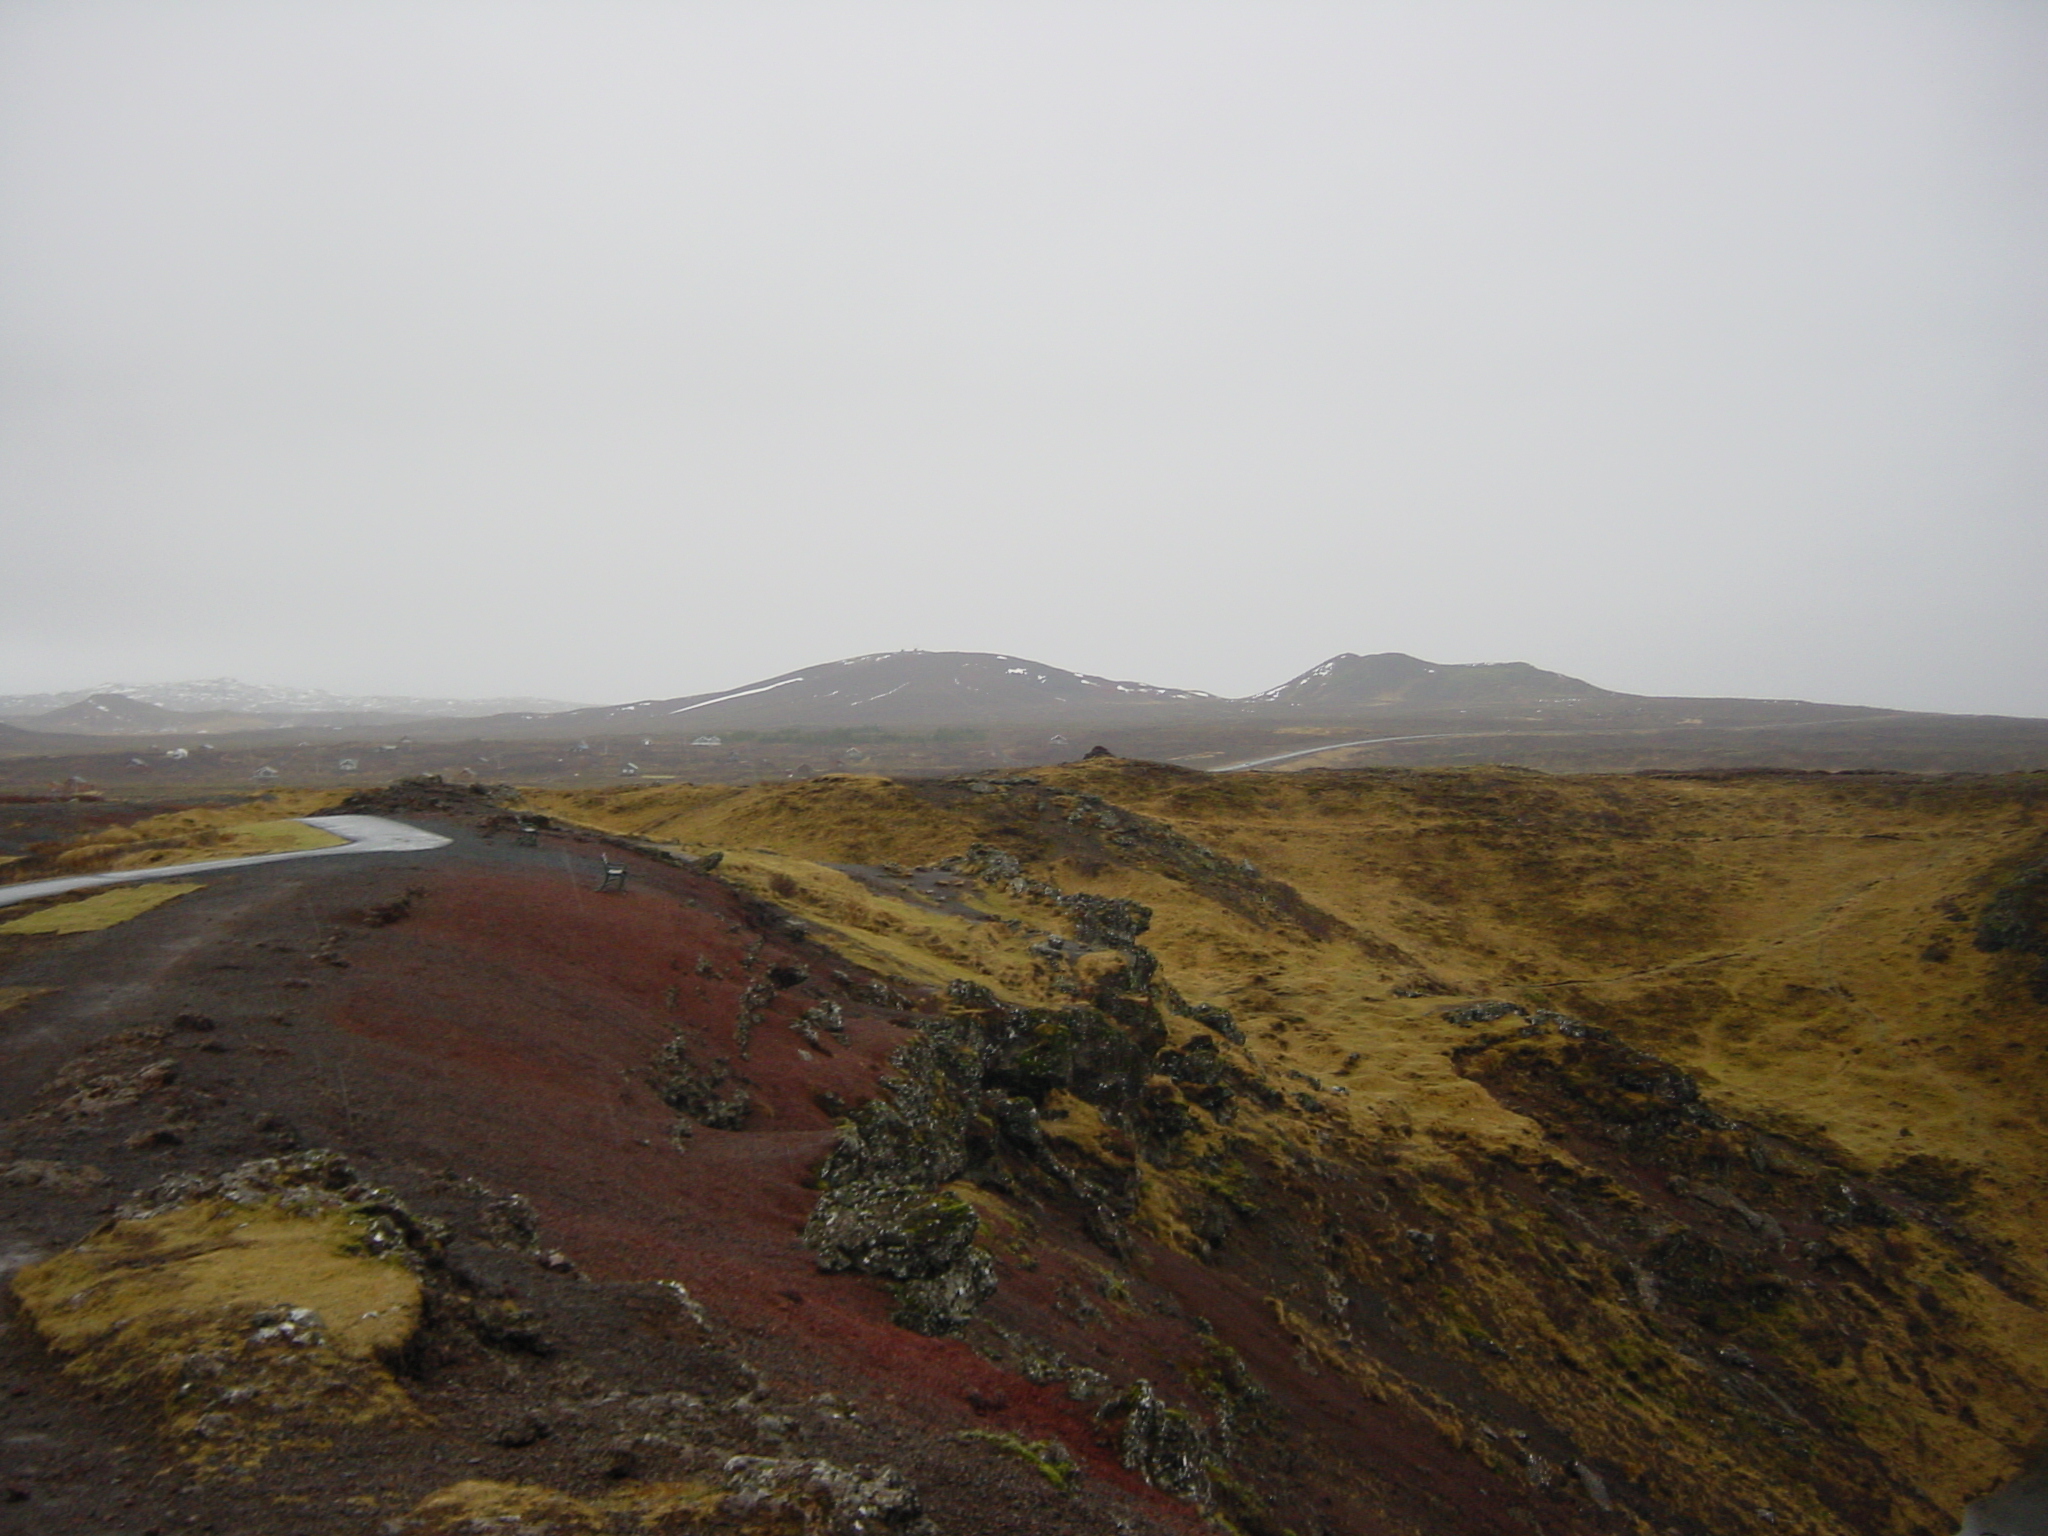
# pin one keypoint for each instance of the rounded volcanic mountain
(1346, 684)
(899, 689)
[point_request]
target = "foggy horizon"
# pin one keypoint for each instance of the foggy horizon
(696, 689)
(628, 350)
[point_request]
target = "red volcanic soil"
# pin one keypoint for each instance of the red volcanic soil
(511, 1028)
(480, 1022)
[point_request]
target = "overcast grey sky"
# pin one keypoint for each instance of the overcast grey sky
(606, 350)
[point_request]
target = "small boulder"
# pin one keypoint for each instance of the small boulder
(904, 1234)
(1165, 1446)
(1480, 1013)
(948, 1300)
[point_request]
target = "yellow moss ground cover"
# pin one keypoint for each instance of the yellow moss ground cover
(244, 1322)
(895, 936)
(669, 1509)
(14, 997)
(1801, 946)
(838, 817)
(93, 913)
(254, 824)
(1772, 935)
(233, 840)
(1776, 937)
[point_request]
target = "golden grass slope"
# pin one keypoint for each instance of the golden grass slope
(249, 825)
(838, 818)
(896, 937)
(182, 839)
(94, 913)
(1802, 945)
(246, 1324)
(651, 1509)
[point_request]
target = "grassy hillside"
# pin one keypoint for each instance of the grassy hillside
(1737, 1182)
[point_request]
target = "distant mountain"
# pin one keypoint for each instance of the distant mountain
(923, 690)
(1346, 684)
(913, 692)
(275, 705)
(896, 689)
(108, 714)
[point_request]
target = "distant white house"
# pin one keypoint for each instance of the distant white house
(178, 754)
(265, 772)
(708, 741)
(631, 770)
(348, 765)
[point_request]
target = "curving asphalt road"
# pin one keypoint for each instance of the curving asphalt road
(2018, 1509)
(365, 834)
(1375, 741)
(1332, 746)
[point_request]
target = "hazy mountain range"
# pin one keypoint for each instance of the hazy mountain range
(921, 687)
(128, 709)
(890, 689)
(941, 712)
(920, 691)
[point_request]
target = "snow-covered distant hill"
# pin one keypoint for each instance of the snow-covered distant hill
(1348, 682)
(897, 688)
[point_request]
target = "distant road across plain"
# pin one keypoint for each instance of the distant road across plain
(1333, 746)
(1376, 741)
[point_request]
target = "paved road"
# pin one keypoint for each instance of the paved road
(365, 834)
(2020, 1509)
(1332, 746)
(1545, 735)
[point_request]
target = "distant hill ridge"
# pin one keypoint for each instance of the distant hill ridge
(223, 704)
(1350, 682)
(900, 688)
(111, 714)
(922, 691)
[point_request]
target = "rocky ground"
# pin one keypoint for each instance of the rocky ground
(473, 1043)
(975, 1156)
